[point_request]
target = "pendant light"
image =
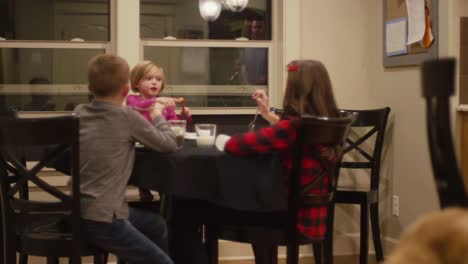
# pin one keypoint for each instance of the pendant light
(209, 9)
(236, 5)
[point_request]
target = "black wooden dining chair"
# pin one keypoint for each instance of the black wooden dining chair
(438, 84)
(33, 226)
(281, 227)
(375, 121)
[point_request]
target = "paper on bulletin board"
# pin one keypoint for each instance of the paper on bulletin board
(416, 20)
(396, 37)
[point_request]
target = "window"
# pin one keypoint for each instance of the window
(44, 49)
(44, 79)
(212, 64)
(54, 20)
(219, 72)
(181, 19)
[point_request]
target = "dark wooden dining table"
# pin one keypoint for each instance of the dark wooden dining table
(206, 186)
(253, 183)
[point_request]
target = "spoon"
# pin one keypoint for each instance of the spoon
(252, 124)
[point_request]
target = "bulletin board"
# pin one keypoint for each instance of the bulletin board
(395, 12)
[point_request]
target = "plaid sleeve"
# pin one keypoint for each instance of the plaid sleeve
(278, 137)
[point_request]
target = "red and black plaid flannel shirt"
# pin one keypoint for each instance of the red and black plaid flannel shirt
(280, 137)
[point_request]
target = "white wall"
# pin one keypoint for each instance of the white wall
(337, 33)
(347, 37)
(409, 168)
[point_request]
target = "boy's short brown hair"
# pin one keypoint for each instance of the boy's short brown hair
(107, 74)
(143, 69)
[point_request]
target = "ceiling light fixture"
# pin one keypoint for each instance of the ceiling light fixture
(236, 5)
(209, 9)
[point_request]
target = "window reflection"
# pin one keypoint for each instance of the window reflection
(181, 19)
(54, 20)
(211, 66)
(44, 79)
(212, 76)
(40, 102)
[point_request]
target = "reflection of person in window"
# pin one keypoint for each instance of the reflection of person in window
(71, 106)
(254, 61)
(39, 102)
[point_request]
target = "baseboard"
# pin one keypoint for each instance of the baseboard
(346, 247)
(346, 244)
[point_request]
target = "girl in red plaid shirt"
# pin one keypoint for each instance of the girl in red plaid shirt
(308, 91)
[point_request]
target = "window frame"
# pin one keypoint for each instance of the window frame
(107, 46)
(125, 41)
(216, 44)
(273, 57)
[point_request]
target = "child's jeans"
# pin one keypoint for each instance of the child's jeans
(140, 239)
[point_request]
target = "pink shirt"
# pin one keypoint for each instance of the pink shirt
(141, 105)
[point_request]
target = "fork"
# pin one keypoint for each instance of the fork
(252, 124)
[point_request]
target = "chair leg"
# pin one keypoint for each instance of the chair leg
(1, 240)
(265, 254)
(374, 217)
(211, 244)
(364, 246)
(318, 252)
(165, 209)
(23, 259)
(100, 258)
(328, 243)
(73, 260)
(9, 251)
(292, 254)
(52, 260)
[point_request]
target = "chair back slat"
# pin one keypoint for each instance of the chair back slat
(367, 118)
(324, 131)
(376, 121)
(38, 207)
(356, 165)
(438, 85)
(53, 136)
(316, 200)
(313, 132)
(17, 168)
(36, 131)
(356, 145)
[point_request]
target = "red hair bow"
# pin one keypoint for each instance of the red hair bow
(293, 68)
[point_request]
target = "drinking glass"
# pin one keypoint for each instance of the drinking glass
(178, 127)
(206, 134)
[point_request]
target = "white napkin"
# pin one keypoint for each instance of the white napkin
(220, 141)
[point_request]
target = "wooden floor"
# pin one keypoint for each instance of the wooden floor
(308, 260)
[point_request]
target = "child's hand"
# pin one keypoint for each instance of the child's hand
(185, 112)
(167, 101)
(262, 101)
(157, 110)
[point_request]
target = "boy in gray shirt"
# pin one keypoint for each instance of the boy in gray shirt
(108, 132)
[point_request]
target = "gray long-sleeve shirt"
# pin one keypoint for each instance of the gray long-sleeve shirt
(107, 137)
